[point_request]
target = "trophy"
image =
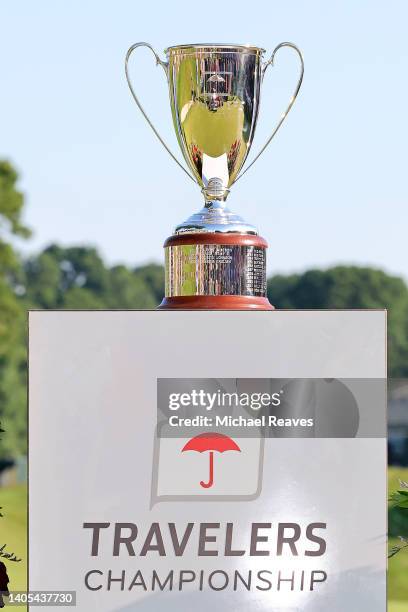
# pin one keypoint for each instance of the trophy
(214, 259)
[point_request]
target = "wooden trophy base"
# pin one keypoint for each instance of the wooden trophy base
(215, 271)
(215, 302)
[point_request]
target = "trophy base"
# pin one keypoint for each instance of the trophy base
(215, 271)
(215, 302)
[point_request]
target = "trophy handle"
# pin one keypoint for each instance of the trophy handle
(291, 102)
(165, 66)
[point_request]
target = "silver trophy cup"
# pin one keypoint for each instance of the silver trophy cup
(214, 96)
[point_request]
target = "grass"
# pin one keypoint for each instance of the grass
(13, 529)
(13, 533)
(398, 565)
(397, 606)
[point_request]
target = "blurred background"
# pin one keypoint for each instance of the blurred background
(87, 194)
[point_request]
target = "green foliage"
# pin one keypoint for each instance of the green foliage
(398, 516)
(153, 277)
(399, 499)
(41, 281)
(11, 204)
(11, 200)
(397, 574)
(12, 318)
(77, 278)
(129, 289)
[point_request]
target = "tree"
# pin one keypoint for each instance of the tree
(76, 277)
(12, 319)
(11, 206)
(153, 276)
(41, 281)
(79, 267)
(129, 289)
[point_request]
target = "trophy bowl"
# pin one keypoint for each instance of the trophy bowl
(215, 259)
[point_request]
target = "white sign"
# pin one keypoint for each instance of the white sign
(133, 516)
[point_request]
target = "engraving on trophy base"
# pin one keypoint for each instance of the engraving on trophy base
(216, 271)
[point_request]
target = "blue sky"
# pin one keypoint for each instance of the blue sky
(331, 188)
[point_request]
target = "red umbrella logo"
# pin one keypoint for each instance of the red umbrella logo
(211, 442)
